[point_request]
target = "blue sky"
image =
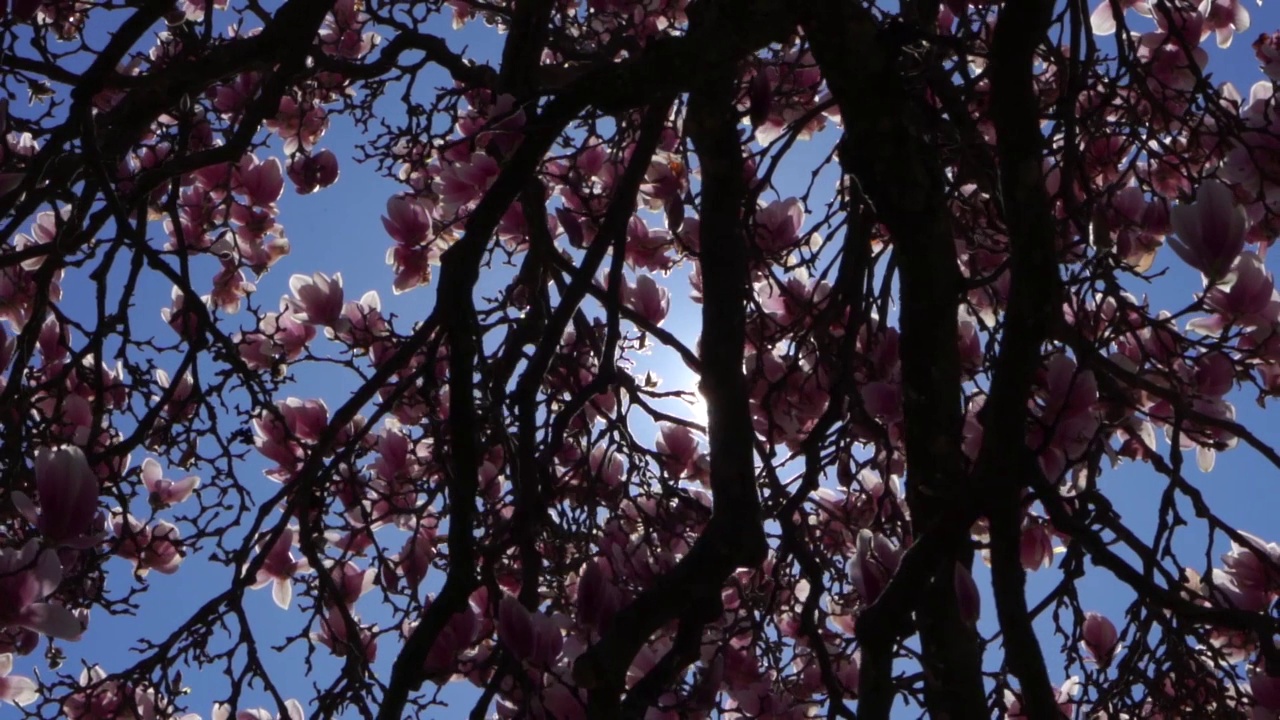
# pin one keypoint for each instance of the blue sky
(339, 230)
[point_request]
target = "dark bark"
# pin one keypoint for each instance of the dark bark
(1033, 302)
(734, 537)
(890, 152)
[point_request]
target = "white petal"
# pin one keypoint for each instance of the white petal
(1204, 458)
(282, 592)
(151, 472)
(18, 690)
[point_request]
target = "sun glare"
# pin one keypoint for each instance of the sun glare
(698, 406)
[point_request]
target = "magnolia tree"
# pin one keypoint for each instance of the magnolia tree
(920, 238)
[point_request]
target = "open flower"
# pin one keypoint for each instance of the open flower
(319, 297)
(154, 547)
(312, 172)
(1210, 231)
(166, 493)
(650, 300)
(279, 567)
(27, 578)
(407, 221)
(293, 711)
(15, 689)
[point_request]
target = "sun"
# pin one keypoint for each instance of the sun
(698, 407)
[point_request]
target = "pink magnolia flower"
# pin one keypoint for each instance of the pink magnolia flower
(679, 448)
(1207, 440)
(968, 600)
(415, 557)
(598, 598)
(312, 172)
(251, 239)
(1036, 548)
(497, 125)
(778, 225)
(341, 34)
(305, 419)
(462, 12)
(875, 562)
(532, 637)
(183, 320)
(180, 406)
(27, 578)
(1245, 296)
(1064, 696)
(458, 634)
(1254, 568)
(664, 183)
(1267, 49)
(230, 287)
(287, 333)
(650, 300)
(1101, 640)
(351, 581)
(560, 702)
(15, 689)
(362, 322)
(109, 699)
(155, 547)
(647, 248)
(605, 466)
(194, 10)
(1210, 231)
(54, 342)
(320, 298)
(1069, 415)
(411, 265)
(335, 635)
(299, 125)
(279, 566)
(272, 438)
(261, 183)
(407, 221)
(461, 183)
(292, 711)
(67, 490)
(1224, 18)
(166, 493)
(1215, 374)
(198, 212)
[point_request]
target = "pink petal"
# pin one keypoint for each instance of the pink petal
(18, 690)
(52, 620)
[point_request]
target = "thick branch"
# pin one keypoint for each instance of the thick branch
(734, 537)
(460, 269)
(1033, 300)
(889, 153)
